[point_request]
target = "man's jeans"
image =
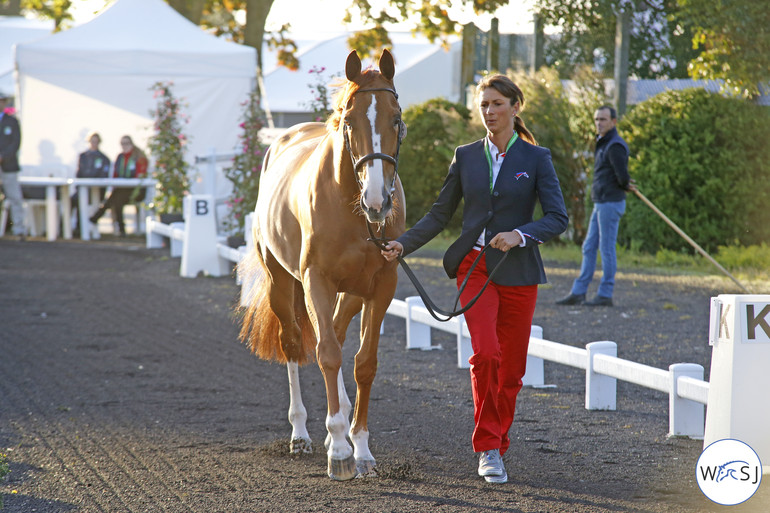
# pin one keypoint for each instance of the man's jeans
(12, 191)
(602, 235)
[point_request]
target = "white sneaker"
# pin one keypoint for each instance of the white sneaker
(503, 478)
(491, 463)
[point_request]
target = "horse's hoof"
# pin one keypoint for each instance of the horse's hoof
(300, 446)
(366, 468)
(342, 470)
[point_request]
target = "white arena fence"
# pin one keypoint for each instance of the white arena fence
(195, 240)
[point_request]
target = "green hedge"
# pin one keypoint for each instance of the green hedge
(435, 129)
(704, 160)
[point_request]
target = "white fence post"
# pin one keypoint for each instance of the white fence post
(153, 238)
(176, 245)
(535, 375)
(601, 391)
(685, 417)
(464, 347)
(417, 334)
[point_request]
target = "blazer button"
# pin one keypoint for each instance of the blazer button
(489, 213)
(496, 194)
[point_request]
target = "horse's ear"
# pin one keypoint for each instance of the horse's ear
(352, 66)
(387, 67)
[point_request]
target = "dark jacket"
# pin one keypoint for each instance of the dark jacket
(611, 176)
(93, 164)
(10, 140)
(526, 175)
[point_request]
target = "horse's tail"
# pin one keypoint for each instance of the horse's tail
(260, 327)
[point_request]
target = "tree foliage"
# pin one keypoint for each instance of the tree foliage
(436, 128)
(56, 10)
(703, 160)
(734, 42)
(660, 43)
(431, 18)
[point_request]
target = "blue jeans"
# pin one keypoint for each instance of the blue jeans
(602, 235)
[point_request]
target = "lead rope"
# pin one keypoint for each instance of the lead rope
(434, 310)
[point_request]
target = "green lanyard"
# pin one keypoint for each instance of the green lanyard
(489, 157)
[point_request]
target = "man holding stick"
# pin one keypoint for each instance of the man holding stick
(611, 181)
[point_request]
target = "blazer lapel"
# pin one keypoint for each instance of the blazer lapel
(512, 156)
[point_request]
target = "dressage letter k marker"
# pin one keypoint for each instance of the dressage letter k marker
(752, 322)
(723, 323)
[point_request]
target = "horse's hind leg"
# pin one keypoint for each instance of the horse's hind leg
(300, 438)
(281, 295)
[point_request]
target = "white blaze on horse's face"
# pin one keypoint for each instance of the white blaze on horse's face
(375, 199)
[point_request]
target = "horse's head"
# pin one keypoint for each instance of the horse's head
(372, 128)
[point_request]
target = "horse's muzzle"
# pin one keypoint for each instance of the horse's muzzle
(377, 213)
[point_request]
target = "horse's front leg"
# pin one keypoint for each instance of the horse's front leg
(319, 297)
(346, 308)
(365, 370)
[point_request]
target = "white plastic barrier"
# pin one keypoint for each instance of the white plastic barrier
(195, 239)
(683, 382)
(740, 336)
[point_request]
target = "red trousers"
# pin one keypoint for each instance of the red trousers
(500, 324)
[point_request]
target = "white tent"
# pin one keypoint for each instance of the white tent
(98, 76)
(424, 70)
(13, 30)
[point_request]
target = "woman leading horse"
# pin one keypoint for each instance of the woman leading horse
(321, 189)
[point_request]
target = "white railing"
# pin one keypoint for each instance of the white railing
(201, 250)
(683, 382)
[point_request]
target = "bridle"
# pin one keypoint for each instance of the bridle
(357, 164)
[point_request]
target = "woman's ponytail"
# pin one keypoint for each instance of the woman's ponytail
(523, 131)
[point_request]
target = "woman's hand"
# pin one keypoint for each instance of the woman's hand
(392, 250)
(506, 240)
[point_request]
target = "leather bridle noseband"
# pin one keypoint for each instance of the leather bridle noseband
(357, 164)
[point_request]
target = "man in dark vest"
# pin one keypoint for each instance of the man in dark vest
(611, 181)
(10, 139)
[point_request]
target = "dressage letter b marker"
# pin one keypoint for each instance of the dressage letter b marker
(201, 207)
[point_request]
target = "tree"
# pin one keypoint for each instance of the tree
(733, 40)
(660, 42)
(10, 7)
(432, 19)
(56, 10)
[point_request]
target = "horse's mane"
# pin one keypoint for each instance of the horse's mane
(343, 95)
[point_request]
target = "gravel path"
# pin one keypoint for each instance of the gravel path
(123, 388)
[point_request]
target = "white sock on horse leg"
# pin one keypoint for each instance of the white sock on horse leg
(297, 411)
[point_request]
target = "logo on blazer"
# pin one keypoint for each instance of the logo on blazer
(520, 174)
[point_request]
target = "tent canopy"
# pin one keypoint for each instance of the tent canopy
(98, 76)
(17, 29)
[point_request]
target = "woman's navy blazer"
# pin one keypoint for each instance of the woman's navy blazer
(526, 175)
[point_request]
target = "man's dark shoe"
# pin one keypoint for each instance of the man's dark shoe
(572, 299)
(599, 301)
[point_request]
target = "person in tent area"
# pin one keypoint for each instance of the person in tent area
(10, 140)
(131, 163)
(500, 178)
(611, 181)
(92, 163)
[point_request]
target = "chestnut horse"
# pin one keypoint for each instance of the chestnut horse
(321, 189)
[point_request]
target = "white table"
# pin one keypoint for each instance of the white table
(83, 185)
(51, 212)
